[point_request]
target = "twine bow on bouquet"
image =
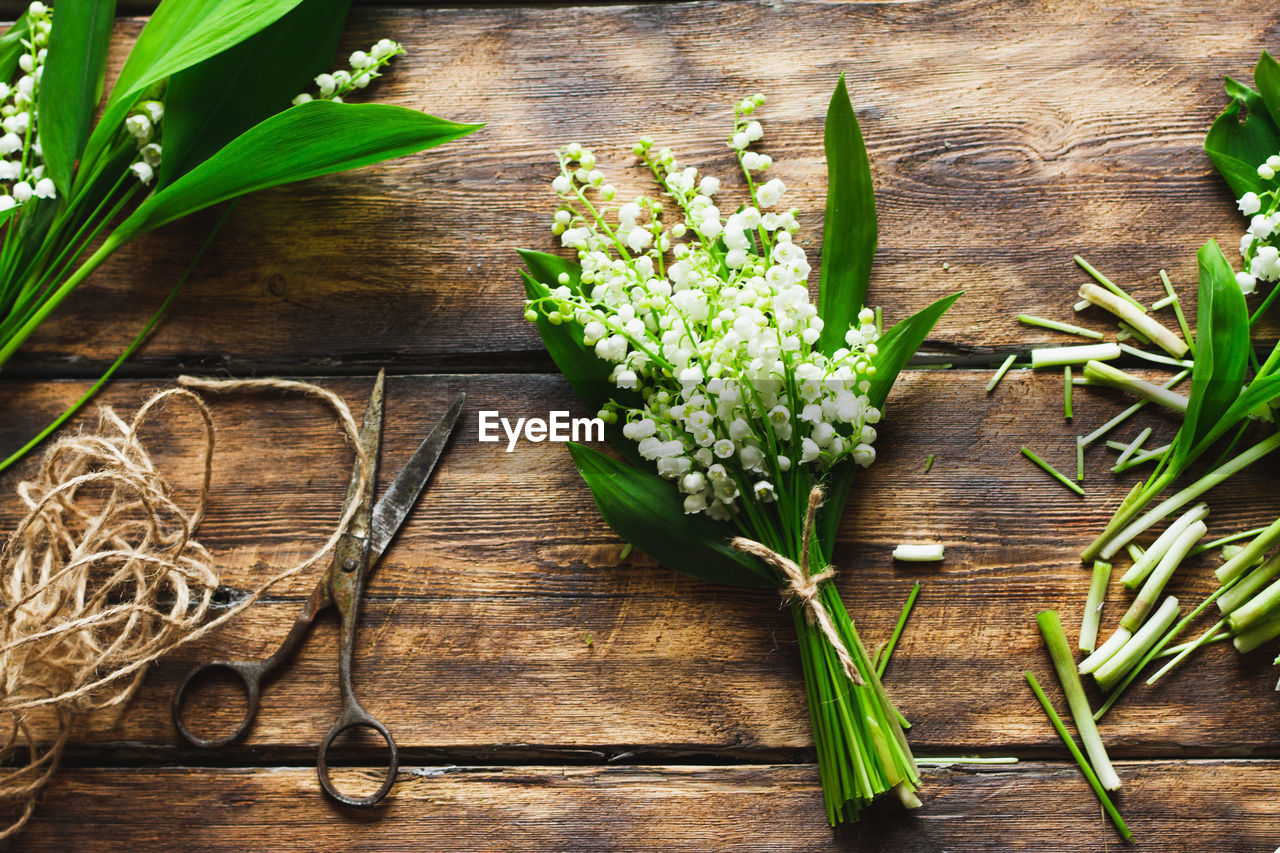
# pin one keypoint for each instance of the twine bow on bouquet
(736, 402)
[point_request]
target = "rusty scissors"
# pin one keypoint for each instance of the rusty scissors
(361, 544)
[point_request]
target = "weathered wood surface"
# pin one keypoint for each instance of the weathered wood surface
(475, 634)
(1043, 808)
(1004, 138)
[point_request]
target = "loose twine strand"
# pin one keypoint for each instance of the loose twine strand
(802, 586)
(103, 576)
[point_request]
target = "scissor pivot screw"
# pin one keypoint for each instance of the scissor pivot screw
(350, 564)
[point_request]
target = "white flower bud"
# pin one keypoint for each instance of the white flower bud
(139, 127)
(1249, 204)
(695, 503)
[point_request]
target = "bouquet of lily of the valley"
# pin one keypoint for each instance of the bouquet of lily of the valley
(743, 410)
(210, 105)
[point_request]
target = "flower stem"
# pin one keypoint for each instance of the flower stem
(1056, 326)
(1000, 372)
(1240, 563)
(1096, 371)
(1108, 542)
(1060, 652)
(1052, 472)
(897, 631)
(1177, 310)
(1248, 586)
(1159, 577)
(1119, 664)
(104, 251)
(129, 350)
(1143, 565)
(1094, 781)
(1093, 605)
(1078, 354)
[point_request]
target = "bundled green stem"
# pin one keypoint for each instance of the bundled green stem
(862, 748)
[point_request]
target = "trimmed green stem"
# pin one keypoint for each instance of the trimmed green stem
(1060, 652)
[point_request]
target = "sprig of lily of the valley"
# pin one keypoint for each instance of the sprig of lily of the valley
(212, 103)
(1231, 404)
(1230, 388)
(731, 396)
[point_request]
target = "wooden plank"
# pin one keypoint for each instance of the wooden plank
(475, 637)
(1216, 807)
(1001, 156)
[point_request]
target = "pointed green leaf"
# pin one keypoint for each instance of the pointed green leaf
(849, 231)
(213, 102)
(71, 83)
(1266, 76)
(1238, 147)
(899, 344)
(896, 347)
(179, 34)
(11, 46)
(646, 511)
(588, 374)
(839, 481)
(547, 269)
(1222, 335)
(306, 141)
(578, 363)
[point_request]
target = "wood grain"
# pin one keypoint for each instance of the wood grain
(475, 637)
(627, 707)
(1001, 156)
(1214, 807)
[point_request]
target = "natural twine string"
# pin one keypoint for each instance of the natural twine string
(802, 586)
(103, 576)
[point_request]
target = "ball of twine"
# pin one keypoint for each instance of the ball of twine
(102, 576)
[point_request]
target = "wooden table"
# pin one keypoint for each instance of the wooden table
(550, 695)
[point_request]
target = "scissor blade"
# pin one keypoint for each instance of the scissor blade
(403, 493)
(370, 442)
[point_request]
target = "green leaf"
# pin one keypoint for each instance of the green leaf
(1266, 76)
(1222, 350)
(1238, 147)
(11, 46)
(899, 344)
(71, 83)
(849, 231)
(578, 363)
(896, 347)
(179, 34)
(547, 269)
(306, 141)
(213, 102)
(588, 374)
(646, 511)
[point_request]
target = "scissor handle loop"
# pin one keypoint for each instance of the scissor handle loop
(250, 674)
(351, 719)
